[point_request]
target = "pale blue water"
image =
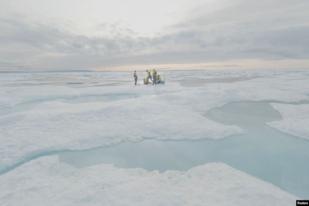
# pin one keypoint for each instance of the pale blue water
(261, 151)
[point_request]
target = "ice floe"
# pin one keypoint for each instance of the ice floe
(295, 119)
(58, 125)
(46, 181)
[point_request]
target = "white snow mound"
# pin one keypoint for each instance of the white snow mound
(46, 181)
(295, 119)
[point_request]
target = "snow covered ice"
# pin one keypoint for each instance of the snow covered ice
(295, 119)
(46, 182)
(43, 116)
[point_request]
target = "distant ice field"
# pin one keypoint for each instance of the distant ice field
(93, 119)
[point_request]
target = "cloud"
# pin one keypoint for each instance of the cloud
(242, 30)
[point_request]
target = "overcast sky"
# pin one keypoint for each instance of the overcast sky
(101, 34)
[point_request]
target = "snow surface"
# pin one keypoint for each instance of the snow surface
(59, 125)
(46, 181)
(42, 112)
(54, 111)
(295, 119)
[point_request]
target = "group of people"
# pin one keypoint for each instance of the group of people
(152, 77)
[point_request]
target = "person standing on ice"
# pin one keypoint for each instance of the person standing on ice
(135, 78)
(154, 77)
(148, 76)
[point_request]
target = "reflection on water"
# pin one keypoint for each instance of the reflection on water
(261, 151)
